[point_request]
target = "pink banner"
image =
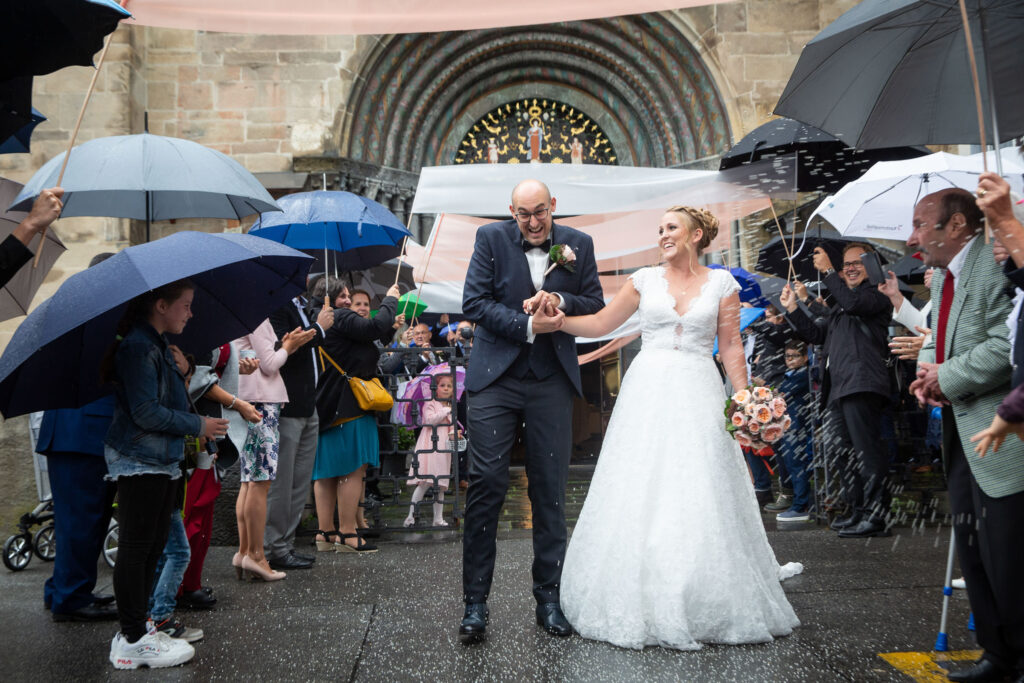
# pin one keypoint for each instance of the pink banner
(350, 17)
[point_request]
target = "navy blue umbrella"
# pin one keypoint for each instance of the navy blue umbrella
(750, 287)
(361, 232)
(18, 142)
(42, 36)
(53, 359)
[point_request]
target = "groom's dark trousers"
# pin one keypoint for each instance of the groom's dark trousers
(546, 408)
(511, 381)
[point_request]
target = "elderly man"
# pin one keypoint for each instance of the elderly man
(856, 386)
(522, 370)
(967, 370)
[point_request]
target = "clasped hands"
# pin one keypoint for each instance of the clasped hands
(547, 317)
(926, 387)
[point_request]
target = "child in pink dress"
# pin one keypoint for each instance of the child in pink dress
(434, 461)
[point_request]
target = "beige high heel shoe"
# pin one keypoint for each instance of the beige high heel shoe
(327, 545)
(258, 573)
(236, 562)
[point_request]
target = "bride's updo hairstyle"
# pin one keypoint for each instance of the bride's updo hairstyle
(699, 218)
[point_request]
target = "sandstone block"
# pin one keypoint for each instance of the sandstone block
(255, 147)
(304, 94)
(306, 57)
(265, 163)
(197, 95)
(731, 16)
(161, 95)
(255, 132)
(220, 74)
(212, 132)
(171, 38)
(769, 67)
(235, 95)
(250, 57)
(172, 57)
(782, 15)
(756, 43)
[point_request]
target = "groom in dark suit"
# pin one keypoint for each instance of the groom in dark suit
(522, 370)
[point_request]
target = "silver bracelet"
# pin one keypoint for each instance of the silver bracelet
(232, 406)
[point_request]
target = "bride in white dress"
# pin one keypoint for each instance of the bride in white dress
(669, 548)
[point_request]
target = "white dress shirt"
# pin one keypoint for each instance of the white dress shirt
(539, 261)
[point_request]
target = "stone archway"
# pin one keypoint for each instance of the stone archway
(637, 77)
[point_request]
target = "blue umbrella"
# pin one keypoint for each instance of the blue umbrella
(361, 232)
(42, 36)
(18, 142)
(150, 177)
(53, 359)
(750, 288)
(747, 316)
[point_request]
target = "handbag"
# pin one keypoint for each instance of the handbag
(370, 393)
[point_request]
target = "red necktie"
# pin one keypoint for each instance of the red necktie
(944, 306)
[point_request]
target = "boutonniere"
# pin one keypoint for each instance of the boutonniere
(561, 255)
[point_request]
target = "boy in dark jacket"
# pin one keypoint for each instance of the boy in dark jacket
(795, 446)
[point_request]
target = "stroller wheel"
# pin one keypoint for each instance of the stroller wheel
(110, 545)
(45, 543)
(18, 552)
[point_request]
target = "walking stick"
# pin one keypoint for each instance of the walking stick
(942, 640)
(74, 133)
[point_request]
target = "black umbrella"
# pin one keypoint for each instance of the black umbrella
(773, 259)
(786, 156)
(897, 72)
(42, 36)
(909, 269)
(15, 106)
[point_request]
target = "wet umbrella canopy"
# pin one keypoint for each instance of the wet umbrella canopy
(53, 359)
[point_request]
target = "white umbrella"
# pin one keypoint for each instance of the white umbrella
(880, 204)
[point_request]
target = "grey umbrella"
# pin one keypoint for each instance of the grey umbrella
(150, 177)
(18, 293)
(896, 72)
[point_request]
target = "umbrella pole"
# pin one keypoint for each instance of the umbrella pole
(433, 243)
(977, 92)
(401, 255)
(991, 92)
(74, 134)
(789, 254)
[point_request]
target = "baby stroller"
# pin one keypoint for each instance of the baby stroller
(18, 548)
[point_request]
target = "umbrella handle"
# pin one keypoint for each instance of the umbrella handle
(74, 134)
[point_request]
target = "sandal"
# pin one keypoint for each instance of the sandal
(327, 545)
(361, 545)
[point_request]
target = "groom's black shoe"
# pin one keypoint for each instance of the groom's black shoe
(865, 529)
(474, 622)
(549, 615)
(983, 671)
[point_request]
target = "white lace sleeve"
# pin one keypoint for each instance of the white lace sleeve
(640, 278)
(728, 284)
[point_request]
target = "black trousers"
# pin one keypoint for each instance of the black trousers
(862, 461)
(546, 408)
(144, 509)
(990, 548)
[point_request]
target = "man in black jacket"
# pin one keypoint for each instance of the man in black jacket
(856, 384)
(299, 428)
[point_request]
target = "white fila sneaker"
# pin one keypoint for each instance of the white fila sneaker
(155, 650)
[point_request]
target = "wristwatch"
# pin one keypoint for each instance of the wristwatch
(830, 271)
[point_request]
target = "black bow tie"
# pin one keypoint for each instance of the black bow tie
(545, 245)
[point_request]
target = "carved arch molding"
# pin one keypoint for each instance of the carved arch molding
(636, 77)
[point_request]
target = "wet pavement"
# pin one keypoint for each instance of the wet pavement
(393, 616)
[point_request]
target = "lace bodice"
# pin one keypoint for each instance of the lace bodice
(694, 331)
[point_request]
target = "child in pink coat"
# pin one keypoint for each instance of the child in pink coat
(434, 460)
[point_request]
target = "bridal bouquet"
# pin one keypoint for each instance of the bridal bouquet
(756, 418)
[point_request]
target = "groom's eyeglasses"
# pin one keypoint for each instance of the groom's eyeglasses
(525, 216)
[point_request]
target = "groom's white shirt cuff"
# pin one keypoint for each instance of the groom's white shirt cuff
(530, 336)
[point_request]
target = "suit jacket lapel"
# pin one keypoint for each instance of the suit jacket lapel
(960, 295)
(554, 241)
(519, 261)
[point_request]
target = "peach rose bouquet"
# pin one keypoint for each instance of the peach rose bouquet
(756, 417)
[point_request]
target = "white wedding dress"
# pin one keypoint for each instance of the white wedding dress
(669, 548)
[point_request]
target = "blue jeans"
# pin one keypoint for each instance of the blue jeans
(758, 468)
(170, 569)
(797, 454)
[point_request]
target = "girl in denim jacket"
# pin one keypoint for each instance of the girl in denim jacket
(144, 450)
